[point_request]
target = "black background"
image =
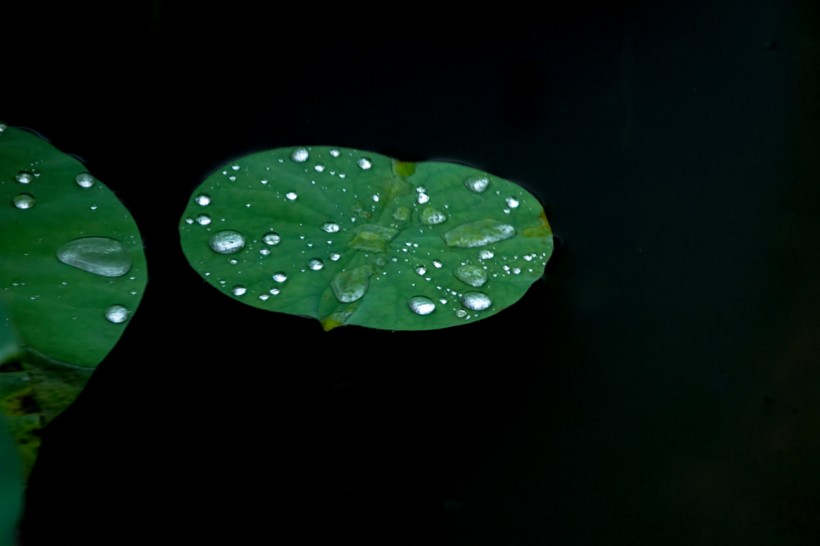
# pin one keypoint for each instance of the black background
(660, 386)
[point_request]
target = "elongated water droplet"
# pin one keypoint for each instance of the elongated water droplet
(117, 314)
(300, 155)
(421, 305)
(478, 233)
(476, 301)
(24, 201)
(431, 216)
(102, 256)
(477, 183)
(291, 195)
(271, 238)
(24, 177)
(279, 276)
(349, 286)
(364, 163)
(315, 264)
(512, 202)
(84, 180)
(473, 275)
(330, 227)
(227, 242)
(203, 219)
(238, 290)
(203, 199)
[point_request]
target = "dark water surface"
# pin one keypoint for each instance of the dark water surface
(660, 386)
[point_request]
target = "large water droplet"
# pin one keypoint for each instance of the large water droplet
(24, 201)
(271, 238)
(300, 155)
(203, 219)
(84, 180)
(315, 264)
(203, 199)
(24, 177)
(116, 314)
(473, 275)
(227, 242)
(478, 233)
(477, 183)
(239, 290)
(364, 163)
(349, 286)
(99, 255)
(476, 301)
(373, 237)
(431, 216)
(330, 227)
(279, 276)
(421, 305)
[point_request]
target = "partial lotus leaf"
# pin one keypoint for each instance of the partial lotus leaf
(73, 272)
(352, 237)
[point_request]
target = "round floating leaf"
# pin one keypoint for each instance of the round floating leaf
(73, 272)
(351, 237)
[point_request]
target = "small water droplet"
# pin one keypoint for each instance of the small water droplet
(99, 255)
(24, 201)
(421, 270)
(319, 168)
(375, 197)
(364, 163)
(473, 275)
(203, 219)
(352, 285)
(477, 183)
(431, 216)
(421, 305)
(263, 182)
(512, 202)
(232, 178)
(300, 155)
(264, 297)
(478, 233)
(117, 314)
(271, 238)
(274, 291)
(330, 227)
(227, 242)
(3, 127)
(422, 198)
(460, 313)
(437, 264)
(235, 167)
(264, 251)
(476, 301)
(335, 153)
(24, 177)
(203, 199)
(291, 195)
(238, 290)
(85, 180)
(279, 277)
(485, 254)
(315, 264)
(334, 256)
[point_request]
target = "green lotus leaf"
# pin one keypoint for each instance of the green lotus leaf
(352, 237)
(73, 273)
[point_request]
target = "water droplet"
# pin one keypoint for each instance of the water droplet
(3, 127)
(349, 286)
(99, 255)
(477, 183)
(431, 216)
(264, 297)
(421, 270)
(300, 155)
(330, 227)
(512, 202)
(271, 238)
(476, 301)
(437, 264)
(334, 256)
(227, 242)
(473, 275)
(238, 290)
(315, 264)
(264, 251)
(485, 254)
(203, 219)
(375, 197)
(116, 314)
(24, 201)
(291, 195)
(203, 199)
(421, 305)
(335, 153)
(478, 233)
(85, 180)
(422, 198)
(460, 313)
(364, 163)
(319, 168)
(274, 291)
(235, 167)
(24, 177)
(279, 277)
